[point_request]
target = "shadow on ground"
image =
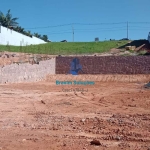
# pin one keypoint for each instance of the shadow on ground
(136, 43)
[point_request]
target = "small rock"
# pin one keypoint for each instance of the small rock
(70, 120)
(95, 142)
(82, 120)
(118, 138)
(24, 140)
(42, 102)
(33, 126)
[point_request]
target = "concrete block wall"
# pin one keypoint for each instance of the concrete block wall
(11, 37)
(106, 64)
(15, 73)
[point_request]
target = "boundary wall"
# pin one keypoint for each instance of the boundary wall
(11, 37)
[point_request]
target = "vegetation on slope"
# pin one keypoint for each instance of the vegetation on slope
(59, 48)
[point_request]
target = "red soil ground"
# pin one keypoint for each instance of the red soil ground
(40, 116)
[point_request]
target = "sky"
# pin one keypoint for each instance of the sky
(87, 19)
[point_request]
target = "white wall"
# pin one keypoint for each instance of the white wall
(149, 37)
(8, 36)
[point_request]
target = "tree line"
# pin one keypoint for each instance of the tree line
(9, 22)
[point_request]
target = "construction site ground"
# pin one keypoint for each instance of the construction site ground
(111, 114)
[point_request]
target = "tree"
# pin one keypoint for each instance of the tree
(2, 19)
(29, 33)
(19, 29)
(7, 20)
(37, 35)
(45, 38)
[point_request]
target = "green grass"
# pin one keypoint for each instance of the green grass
(59, 48)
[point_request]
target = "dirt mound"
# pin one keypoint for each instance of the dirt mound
(7, 58)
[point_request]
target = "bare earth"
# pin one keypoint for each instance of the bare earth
(40, 116)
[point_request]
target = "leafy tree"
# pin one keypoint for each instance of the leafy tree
(7, 20)
(37, 35)
(45, 38)
(2, 19)
(29, 33)
(19, 29)
(25, 33)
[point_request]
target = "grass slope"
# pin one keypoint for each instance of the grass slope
(58, 48)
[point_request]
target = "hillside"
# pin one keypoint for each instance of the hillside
(60, 48)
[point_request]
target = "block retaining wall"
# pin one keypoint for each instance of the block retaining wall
(106, 64)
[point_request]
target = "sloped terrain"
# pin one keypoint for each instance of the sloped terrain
(139, 44)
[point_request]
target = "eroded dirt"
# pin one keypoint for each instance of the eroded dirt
(40, 116)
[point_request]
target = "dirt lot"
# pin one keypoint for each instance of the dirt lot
(42, 116)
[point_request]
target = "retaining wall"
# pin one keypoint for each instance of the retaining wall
(11, 37)
(106, 64)
(15, 73)
(27, 72)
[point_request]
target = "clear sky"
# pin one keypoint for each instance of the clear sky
(105, 19)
